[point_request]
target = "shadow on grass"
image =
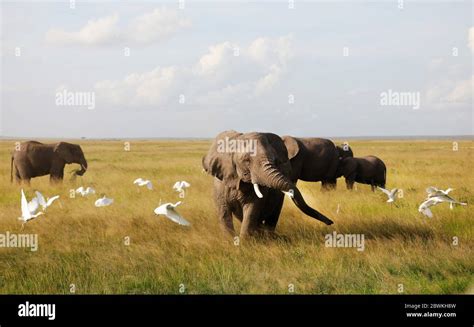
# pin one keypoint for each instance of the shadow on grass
(373, 230)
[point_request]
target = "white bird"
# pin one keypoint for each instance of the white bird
(85, 191)
(144, 182)
(33, 205)
(180, 186)
(424, 208)
(433, 191)
(443, 196)
(26, 214)
(45, 203)
(103, 202)
(391, 194)
(169, 210)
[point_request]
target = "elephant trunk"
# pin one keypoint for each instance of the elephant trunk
(275, 179)
(83, 163)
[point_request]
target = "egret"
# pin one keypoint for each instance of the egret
(26, 214)
(180, 186)
(390, 194)
(169, 210)
(85, 191)
(443, 196)
(144, 182)
(45, 203)
(103, 202)
(433, 191)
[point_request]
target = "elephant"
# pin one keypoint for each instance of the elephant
(366, 170)
(315, 159)
(251, 178)
(32, 159)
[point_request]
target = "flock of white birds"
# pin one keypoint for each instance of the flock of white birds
(435, 196)
(31, 209)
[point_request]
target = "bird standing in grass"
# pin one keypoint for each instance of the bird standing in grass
(103, 202)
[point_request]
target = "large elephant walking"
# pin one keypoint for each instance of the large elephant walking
(32, 159)
(315, 159)
(252, 173)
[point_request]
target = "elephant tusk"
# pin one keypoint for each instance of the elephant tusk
(290, 193)
(257, 190)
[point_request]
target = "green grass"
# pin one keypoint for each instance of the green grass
(83, 245)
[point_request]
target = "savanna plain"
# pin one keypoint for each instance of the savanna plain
(125, 248)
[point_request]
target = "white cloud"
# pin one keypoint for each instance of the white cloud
(451, 92)
(157, 25)
(470, 39)
(100, 31)
(145, 29)
(268, 51)
(462, 91)
(220, 76)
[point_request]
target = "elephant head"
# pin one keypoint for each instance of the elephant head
(344, 151)
(71, 153)
(258, 159)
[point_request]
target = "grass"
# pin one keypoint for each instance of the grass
(83, 245)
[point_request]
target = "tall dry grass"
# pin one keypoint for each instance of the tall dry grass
(83, 245)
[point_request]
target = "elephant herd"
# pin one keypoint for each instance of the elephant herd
(251, 185)
(248, 185)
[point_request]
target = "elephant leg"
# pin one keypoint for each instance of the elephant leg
(275, 206)
(17, 176)
(251, 219)
(349, 184)
(56, 176)
(328, 185)
(24, 175)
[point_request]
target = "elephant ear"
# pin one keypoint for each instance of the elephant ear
(291, 145)
(63, 151)
(220, 163)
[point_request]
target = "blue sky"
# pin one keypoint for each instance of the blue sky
(282, 53)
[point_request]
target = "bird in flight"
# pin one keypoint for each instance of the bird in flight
(143, 182)
(390, 194)
(26, 214)
(169, 210)
(180, 186)
(45, 203)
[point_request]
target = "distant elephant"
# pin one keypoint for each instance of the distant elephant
(315, 159)
(249, 183)
(366, 170)
(33, 159)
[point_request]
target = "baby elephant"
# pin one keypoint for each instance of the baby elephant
(366, 170)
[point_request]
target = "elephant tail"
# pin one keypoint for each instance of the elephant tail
(11, 170)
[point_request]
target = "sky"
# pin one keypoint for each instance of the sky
(193, 69)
